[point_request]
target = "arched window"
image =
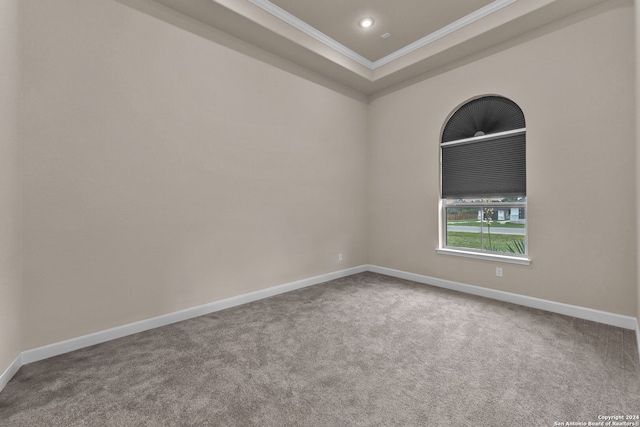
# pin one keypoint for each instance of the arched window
(484, 179)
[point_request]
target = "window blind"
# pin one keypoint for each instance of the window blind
(489, 114)
(484, 150)
(485, 167)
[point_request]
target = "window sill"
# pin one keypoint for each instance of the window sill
(488, 257)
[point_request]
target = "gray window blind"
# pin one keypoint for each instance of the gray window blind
(484, 150)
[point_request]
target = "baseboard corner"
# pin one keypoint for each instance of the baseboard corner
(11, 370)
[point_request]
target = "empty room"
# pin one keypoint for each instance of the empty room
(333, 213)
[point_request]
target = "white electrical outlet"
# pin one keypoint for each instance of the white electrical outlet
(339, 257)
(499, 271)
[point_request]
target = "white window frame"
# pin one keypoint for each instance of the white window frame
(476, 253)
(481, 202)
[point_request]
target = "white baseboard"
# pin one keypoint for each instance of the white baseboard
(11, 370)
(55, 349)
(77, 343)
(638, 335)
(626, 322)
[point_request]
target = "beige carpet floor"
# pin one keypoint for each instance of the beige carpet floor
(366, 350)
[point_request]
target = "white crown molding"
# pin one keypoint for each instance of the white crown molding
(446, 30)
(299, 24)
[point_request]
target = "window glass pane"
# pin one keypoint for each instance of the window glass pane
(493, 225)
(463, 228)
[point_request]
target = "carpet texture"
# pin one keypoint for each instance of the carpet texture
(366, 350)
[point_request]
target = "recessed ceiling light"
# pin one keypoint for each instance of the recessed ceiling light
(366, 22)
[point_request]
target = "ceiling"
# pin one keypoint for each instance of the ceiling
(406, 21)
(324, 36)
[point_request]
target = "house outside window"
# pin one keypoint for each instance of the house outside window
(483, 181)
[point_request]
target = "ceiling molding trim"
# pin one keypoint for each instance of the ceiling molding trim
(299, 24)
(446, 30)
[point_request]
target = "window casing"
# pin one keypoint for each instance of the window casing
(483, 180)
